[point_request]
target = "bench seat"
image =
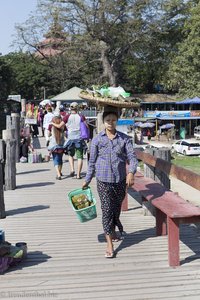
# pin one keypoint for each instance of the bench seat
(171, 211)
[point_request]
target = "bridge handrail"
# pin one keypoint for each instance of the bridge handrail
(187, 176)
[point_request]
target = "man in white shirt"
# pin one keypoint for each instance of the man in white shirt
(46, 122)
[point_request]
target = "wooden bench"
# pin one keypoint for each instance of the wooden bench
(170, 211)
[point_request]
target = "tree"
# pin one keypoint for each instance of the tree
(27, 75)
(183, 75)
(108, 41)
(101, 32)
(6, 79)
(160, 43)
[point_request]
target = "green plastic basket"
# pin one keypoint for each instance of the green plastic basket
(87, 213)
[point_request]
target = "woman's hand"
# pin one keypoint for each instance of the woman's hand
(130, 179)
(85, 185)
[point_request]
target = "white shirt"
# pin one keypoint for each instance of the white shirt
(47, 119)
(73, 127)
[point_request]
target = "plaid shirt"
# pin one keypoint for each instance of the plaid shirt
(108, 158)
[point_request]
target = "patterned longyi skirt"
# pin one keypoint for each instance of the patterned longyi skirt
(111, 196)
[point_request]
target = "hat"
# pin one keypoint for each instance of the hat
(74, 105)
(56, 114)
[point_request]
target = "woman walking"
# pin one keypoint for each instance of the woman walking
(110, 152)
(56, 144)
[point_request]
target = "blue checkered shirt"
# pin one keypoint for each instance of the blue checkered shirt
(108, 158)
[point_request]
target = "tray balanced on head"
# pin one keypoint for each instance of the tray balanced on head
(121, 102)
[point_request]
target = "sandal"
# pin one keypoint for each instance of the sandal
(72, 174)
(78, 177)
(115, 240)
(109, 254)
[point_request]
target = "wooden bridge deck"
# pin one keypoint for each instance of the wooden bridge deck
(66, 258)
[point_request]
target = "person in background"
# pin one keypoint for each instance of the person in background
(24, 148)
(148, 134)
(41, 118)
(57, 139)
(109, 153)
(47, 120)
(63, 113)
(75, 144)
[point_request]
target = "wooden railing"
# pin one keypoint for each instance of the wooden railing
(160, 170)
(187, 176)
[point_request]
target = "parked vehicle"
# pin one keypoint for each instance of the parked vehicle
(186, 147)
(197, 132)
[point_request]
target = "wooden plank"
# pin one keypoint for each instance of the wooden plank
(167, 201)
(175, 207)
(66, 258)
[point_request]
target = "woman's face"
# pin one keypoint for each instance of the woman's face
(110, 122)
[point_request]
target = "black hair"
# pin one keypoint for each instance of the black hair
(106, 113)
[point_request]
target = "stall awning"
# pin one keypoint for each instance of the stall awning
(177, 118)
(195, 100)
(144, 119)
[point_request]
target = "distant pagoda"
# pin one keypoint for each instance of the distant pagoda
(54, 42)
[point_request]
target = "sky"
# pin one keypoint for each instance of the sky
(12, 12)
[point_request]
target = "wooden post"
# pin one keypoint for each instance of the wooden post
(10, 159)
(23, 106)
(16, 125)
(161, 177)
(149, 171)
(156, 174)
(10, 165)
(8, 134)
(8, 122)
(3, 158)
(2, 205)
(153, 172)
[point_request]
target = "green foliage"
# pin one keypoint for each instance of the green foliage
(134, 43)
(28, 75)
(6, 78)
(183, 74)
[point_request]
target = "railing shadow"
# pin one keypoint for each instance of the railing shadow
(24, 210)
(33, 171)
(37, 184)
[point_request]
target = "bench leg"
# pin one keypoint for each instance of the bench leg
(161, 227)
(173, 242)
